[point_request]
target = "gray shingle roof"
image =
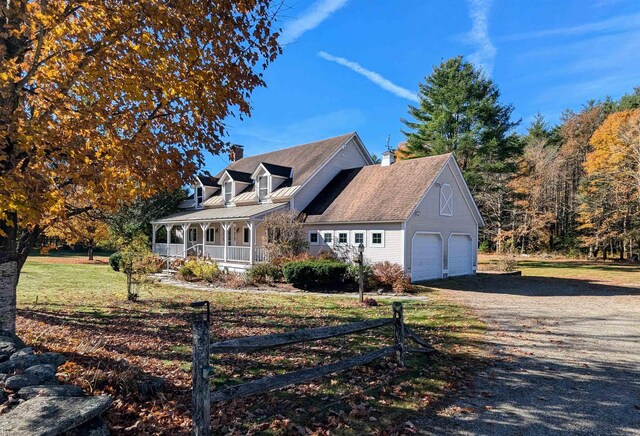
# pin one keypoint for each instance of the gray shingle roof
(375, 193)
(223, 213)
(305, 159)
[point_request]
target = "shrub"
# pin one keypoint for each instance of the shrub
(263, 273)
(506, 263)
(151, 263)
(234, 280)
(353, 275)
(484, 247)
(115, 261)
(186, 272)
(310, 273)
(391, 276)
(199, 269)
(370, 302)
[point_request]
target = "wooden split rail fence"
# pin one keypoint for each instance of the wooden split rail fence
(202, 397)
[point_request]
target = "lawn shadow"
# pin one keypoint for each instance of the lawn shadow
(533, 286)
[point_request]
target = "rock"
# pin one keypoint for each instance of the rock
(24, 358)
(17, 382)
(50, 358)
(7, 367)
(93, 427)
(50, 416)
(3, 397)
(29, 392)
(44, 373)
(15, 339)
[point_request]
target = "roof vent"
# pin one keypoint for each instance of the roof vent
(388, 157)
(236, 152)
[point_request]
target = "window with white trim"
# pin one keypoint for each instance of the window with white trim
(313, 238)
(246, 236)
(193, 235)
(377, 238)
(327, 237)
(343, 238)
(211, 235)
(176, 236)
(228, 191)
(263, 187)
(446, 200)
(199, 196)
(358, 238)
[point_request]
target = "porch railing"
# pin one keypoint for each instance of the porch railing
(235, 253)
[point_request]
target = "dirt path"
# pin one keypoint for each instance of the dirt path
(567, 359)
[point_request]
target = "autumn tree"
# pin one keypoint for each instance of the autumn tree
(104, 101)
(609, 207)
(534, 217)
(80, 230)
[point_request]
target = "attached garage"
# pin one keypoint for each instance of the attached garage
(460, 254)
(426, 257)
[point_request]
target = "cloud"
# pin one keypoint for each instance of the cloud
(376, 78)
(312, 18)
(616, 24)
(485, 54)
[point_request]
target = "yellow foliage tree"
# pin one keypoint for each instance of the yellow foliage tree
(609, 208)
(102, 101)
(80, 230)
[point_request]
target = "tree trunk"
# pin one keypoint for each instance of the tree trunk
(90, 253)
(8, 282)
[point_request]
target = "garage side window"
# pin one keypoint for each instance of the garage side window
(446, 206)
(377, 238)
(313, 237)
(327, 237)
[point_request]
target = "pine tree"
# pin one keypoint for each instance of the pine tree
(460, 112)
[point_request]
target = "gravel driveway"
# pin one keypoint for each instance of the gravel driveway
(566, 358)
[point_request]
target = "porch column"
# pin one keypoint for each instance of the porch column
(154, 228)
(251, 225)
(168, 228)
(225, 227)
(204, 227)
(185, 239)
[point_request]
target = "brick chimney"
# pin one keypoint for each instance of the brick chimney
(388, 158)
(236, 152)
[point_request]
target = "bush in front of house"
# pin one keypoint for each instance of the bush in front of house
(353, 275)
(391, 276)
(199, 270)
(312, 273)
(263, 273)
(115, 260)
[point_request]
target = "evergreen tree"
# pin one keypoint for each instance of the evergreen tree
(460, 112)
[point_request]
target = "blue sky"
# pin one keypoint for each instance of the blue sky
(355, 64)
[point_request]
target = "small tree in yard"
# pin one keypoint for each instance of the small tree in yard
(285, 235)
(132, 263)
(78, 231)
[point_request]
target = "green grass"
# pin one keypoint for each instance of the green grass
(574, 269)
(81, 309)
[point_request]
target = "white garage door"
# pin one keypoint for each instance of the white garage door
(426, 257)
(460, 254)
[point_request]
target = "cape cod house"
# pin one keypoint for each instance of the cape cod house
(418, 213)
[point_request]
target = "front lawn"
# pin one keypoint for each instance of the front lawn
(121, 348)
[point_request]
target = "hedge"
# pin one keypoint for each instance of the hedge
(310, 273)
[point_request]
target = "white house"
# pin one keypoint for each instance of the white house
(418, 213)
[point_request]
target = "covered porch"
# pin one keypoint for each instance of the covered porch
(231, 236)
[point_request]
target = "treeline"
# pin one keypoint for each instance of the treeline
(571, 188)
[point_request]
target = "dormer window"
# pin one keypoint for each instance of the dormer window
(263, 187)
(228, 191)
(199, 196)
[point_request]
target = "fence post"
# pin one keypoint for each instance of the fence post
(398, 317)
(201, 392)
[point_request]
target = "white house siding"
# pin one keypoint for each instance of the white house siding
(427, 218)
(349, 157)
(391, 251)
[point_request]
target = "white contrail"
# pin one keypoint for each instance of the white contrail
(371, 75)
(316, 14)
(485, 54)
